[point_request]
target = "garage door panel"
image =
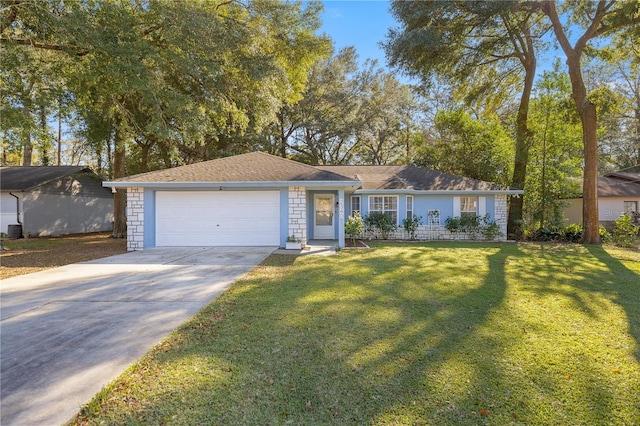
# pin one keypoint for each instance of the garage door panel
(233, 218)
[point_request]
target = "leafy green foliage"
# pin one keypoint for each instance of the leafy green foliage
(354, 226)
(479, 149)
(411, 224)
(625, 232)
(555, 165)
(380, 222)
(473, 226)
(596, 20)
(178, 79)
(571, 233)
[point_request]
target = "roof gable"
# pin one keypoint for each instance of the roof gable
(23, 178)
(251, 167)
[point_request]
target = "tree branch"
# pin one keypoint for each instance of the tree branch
(11, 16)
(44, 46)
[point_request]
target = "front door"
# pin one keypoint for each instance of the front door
(323, 226)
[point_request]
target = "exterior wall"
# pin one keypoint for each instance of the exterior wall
(74, 204)
(297, 214)
(135, 219)
(8, 210)
(496, 208)
(609, 209)
(573, 210)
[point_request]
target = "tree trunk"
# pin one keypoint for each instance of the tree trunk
(588, 117)
(587, 113)
(590, 217)
(44, 139)
(523, 143)
(60, 133)
(120, 197)
(637, 136)
(27, 144)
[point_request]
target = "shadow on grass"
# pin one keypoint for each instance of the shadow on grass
(622, 286)
(425, 334)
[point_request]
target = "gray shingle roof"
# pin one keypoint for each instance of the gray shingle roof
(617, 186)
(625, 175)
(259, 167)
(23, 178)
(411, 177)
(251, 167)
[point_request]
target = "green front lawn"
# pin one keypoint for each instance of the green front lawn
(413, 334)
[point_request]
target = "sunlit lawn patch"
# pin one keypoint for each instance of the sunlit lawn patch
(447, 333)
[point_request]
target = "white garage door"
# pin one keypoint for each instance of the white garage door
(234, 218)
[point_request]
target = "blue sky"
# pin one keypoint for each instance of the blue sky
(362, 24)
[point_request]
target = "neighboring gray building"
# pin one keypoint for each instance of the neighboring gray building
(54, 200)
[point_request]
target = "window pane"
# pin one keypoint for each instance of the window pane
(375, 204)
(390, 203)
(324, 218)
(355, 205)
(630, 206)
(468, 206)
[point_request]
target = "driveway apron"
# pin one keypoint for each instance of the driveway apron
(67, 332)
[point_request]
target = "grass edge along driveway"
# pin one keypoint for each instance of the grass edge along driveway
(412, 334)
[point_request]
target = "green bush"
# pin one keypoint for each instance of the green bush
(491, 231)
(605, 236)
(474, 226)
(572, 233)
(453, 224)
(411, 224)
(624, 231)
(380, 221)
(354, 226)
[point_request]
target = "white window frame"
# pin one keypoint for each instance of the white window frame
(471, 205)
(358, 210)
(630, 206)
(481, 206)
(383, 204)
(410, 210)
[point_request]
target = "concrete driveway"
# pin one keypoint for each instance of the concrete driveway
(67, 332)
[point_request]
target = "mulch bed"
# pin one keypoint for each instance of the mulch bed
(358, 244)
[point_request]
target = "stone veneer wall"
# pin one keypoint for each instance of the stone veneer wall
(298, 213)
(135, 219)
(500, 215)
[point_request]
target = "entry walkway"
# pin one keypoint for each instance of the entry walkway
(319, 247)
